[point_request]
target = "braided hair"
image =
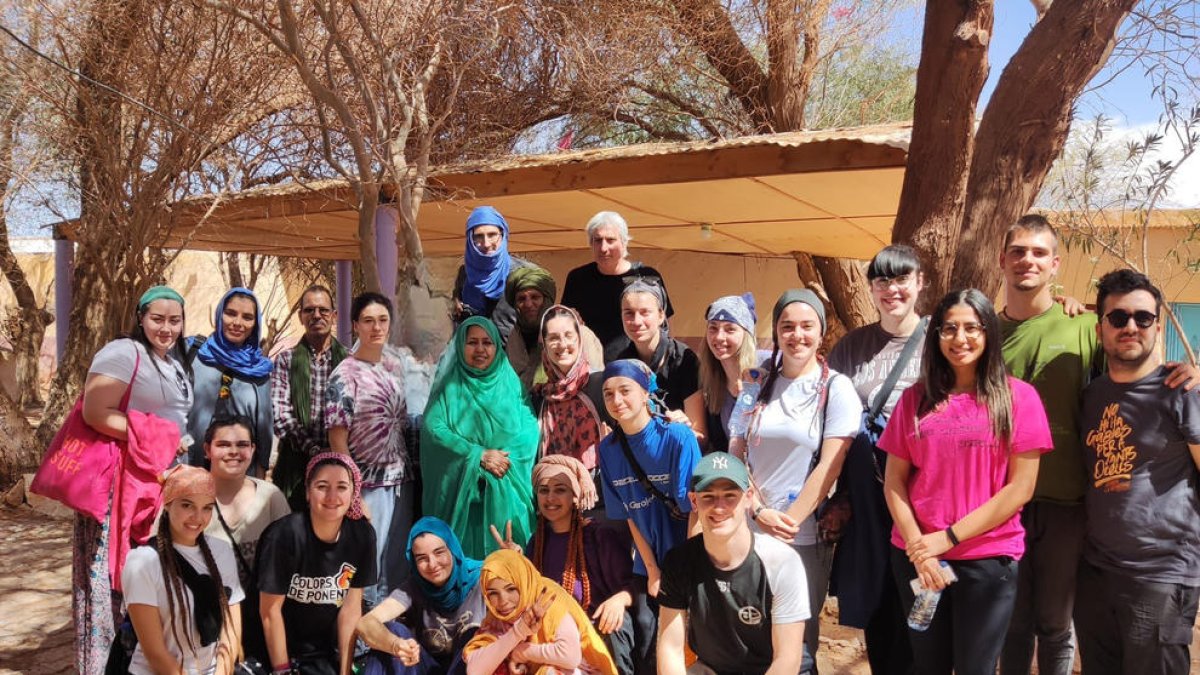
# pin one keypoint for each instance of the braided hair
(575, 568)
(177, 596)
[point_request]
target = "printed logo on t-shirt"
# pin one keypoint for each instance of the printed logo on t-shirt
(751, 616)
(322, 590)
(723, 585)
(1113, 471)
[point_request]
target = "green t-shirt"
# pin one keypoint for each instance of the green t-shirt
(1056, 354)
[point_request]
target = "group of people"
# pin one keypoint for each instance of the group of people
(590, 495)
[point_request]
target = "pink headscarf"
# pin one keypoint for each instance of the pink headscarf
(564, 465)
(184, 480)
(356, 509)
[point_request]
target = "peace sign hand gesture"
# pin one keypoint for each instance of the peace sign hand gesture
(506, 541)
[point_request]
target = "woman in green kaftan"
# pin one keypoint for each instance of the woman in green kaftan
(479, 440)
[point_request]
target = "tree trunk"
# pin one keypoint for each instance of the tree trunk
(848, 288)
(1025, 126)
(810, 278)
(950, 76)
(20, 450)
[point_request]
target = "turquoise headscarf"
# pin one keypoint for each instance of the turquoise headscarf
(463, 578)
(471, 410)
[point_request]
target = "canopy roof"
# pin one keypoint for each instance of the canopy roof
(831, 193)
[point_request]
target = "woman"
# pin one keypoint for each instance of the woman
(673, 363)
(965, 443)
(646, 463)
(442, 606)
(147, 366)
(479, 286)
(478, 441)
(568, 403)
(365, 414)
(532, 626)
(312, 569)
(862, 578)
(728, 350)
(589, 561)
(232, 376)
(804, 420)
(245, 507)
(182, 591)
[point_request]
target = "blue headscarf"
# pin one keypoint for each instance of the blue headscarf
(485, 273)
(464, 576)
(247, 360)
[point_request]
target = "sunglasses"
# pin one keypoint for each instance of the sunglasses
(1119, 318)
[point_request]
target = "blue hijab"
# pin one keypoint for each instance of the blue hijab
(486, 273)
(246, 361)
(463, 578)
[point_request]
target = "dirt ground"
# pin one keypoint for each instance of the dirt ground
(35, 604)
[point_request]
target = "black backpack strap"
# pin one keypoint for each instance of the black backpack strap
(676, 512)
(910, 348)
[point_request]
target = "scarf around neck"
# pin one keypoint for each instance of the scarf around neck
(463, 578)
(300, 376)
(247, 360)
(569, 421)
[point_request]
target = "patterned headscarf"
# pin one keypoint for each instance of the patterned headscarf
(738, 309)
(577, 474)
(356, 506)
(184, 480)
(569, 422)
(517, 570)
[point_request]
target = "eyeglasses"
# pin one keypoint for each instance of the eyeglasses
(1119, 318)
(884, 283)
(949, 331)
(323, 311)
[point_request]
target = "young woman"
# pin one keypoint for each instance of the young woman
(232, 376)
(312, 568)
(862, 576)
(365, 414)
(245, 507)
(675, 365)
(441, 604)
(532, 625)
(803, 423)
(646, 464)
(148, 366)
(568, 404)
(964, 446)
(727, 352)
(478, 441)
(589, 561)
(182, 590)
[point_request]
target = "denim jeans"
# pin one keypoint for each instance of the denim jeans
(391, 514)
(1127, 625)
(967, 631)
(1045, 590)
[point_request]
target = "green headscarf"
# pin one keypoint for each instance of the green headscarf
(469, 411)
(522, 278)
(159, 293)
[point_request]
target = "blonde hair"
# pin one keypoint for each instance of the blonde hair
(713, 381)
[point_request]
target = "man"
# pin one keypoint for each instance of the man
(479, 284)
(531, 290)
(298, 392)
(594, 290)
(1139, 581)
(1055, 353)
(740, 598)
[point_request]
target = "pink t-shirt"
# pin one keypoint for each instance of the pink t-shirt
(957, 464)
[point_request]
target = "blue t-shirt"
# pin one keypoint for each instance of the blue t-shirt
(667, 453)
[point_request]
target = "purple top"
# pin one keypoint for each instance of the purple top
(609, 563)
(368, 399)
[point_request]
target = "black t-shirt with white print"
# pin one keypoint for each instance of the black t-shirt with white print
(730, 612)
(313, 576)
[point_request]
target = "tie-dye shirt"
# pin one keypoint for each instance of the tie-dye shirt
(368, 399)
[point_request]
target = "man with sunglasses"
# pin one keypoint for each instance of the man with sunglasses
(298, 392)
(1139, 581)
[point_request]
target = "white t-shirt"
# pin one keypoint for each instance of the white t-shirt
(143, 583)
(162, 387)
(780, 455)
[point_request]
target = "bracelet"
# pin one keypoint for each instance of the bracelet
(283, 669)
(950, 534)
(758, 510)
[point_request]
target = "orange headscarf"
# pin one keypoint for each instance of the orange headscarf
(516, 569)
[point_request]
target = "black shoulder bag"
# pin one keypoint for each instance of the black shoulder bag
(676, 512)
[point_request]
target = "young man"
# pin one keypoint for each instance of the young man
(1139, 581)
(738, 598)
(298, 392)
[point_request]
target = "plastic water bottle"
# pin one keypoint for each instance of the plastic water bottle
(927, 601)
(739, 419)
